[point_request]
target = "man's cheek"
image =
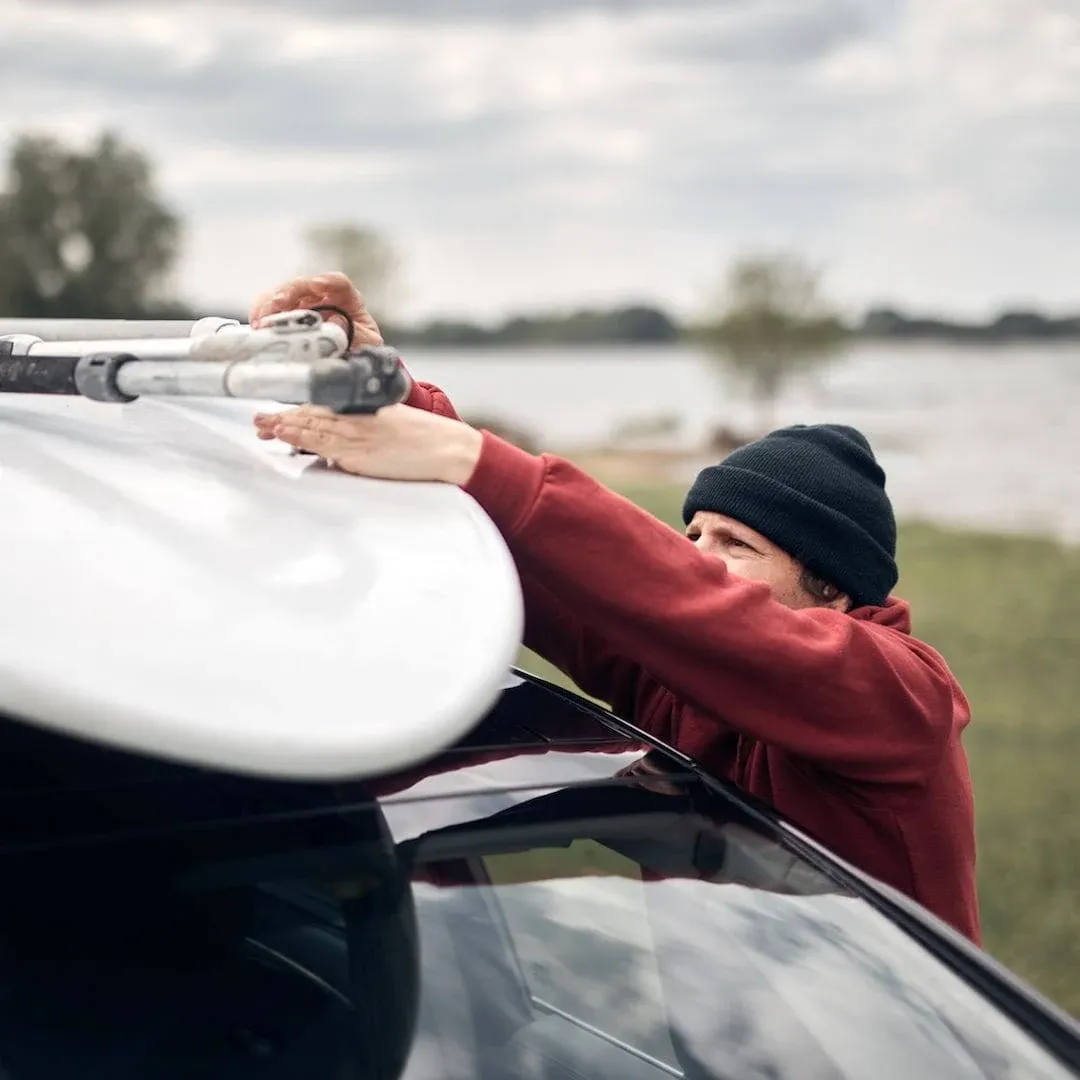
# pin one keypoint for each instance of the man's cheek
(748, 570)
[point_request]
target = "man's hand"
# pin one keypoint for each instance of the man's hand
(396, 443)
(308, 292)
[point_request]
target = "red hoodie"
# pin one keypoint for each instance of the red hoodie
(845, 723)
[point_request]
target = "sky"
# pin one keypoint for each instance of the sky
(525, 156)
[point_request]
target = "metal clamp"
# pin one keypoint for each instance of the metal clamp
(96, 376)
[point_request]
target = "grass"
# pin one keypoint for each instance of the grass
(1005, 613)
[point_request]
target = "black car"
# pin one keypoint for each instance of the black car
(558, 897)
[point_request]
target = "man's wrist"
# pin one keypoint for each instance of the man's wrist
(462, 454)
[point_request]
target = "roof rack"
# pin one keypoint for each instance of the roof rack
(116, 329)
(294, 357)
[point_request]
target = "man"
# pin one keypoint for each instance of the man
(763, 643)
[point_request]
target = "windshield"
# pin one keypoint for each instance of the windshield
(632, 934)
(174, 923)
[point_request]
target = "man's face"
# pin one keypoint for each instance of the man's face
(749, 555)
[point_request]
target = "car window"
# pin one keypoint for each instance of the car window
(579, 919)
(692, 946)
(580, 928)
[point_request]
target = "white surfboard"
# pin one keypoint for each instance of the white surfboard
(171, 585)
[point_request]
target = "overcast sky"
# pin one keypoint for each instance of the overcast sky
(523, 155)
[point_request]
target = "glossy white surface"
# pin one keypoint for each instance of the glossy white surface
(170, 584)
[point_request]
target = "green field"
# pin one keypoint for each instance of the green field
(1005, 612)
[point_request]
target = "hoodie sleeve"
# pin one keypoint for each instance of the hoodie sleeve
(555, 631)
(850, 695)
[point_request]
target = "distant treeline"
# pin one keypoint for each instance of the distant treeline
(642, 324)
(635, 324)
(1008, 326)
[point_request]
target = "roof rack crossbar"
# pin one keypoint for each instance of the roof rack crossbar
(294, 357)
(112, 329)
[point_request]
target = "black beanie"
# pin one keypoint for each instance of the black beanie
(818, 493)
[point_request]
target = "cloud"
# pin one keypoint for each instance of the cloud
(424, 12)
(524, 153)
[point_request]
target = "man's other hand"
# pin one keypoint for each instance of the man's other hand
(396, 443)
(308, 292)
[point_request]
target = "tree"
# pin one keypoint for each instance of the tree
(363, 255)
(83, 233)
(773, 324)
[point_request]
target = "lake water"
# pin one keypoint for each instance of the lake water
(980, 436)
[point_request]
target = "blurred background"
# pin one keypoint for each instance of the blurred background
(637, 234)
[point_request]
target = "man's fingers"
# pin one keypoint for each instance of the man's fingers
(319, 430)
(333, 289)
(314, 418)
(300, 292)
(335, 284)
(268, 425)
(286, 297)
(269, 419)
(334, 278)
(317, 440)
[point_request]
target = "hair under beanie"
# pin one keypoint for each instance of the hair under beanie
(817, 492)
